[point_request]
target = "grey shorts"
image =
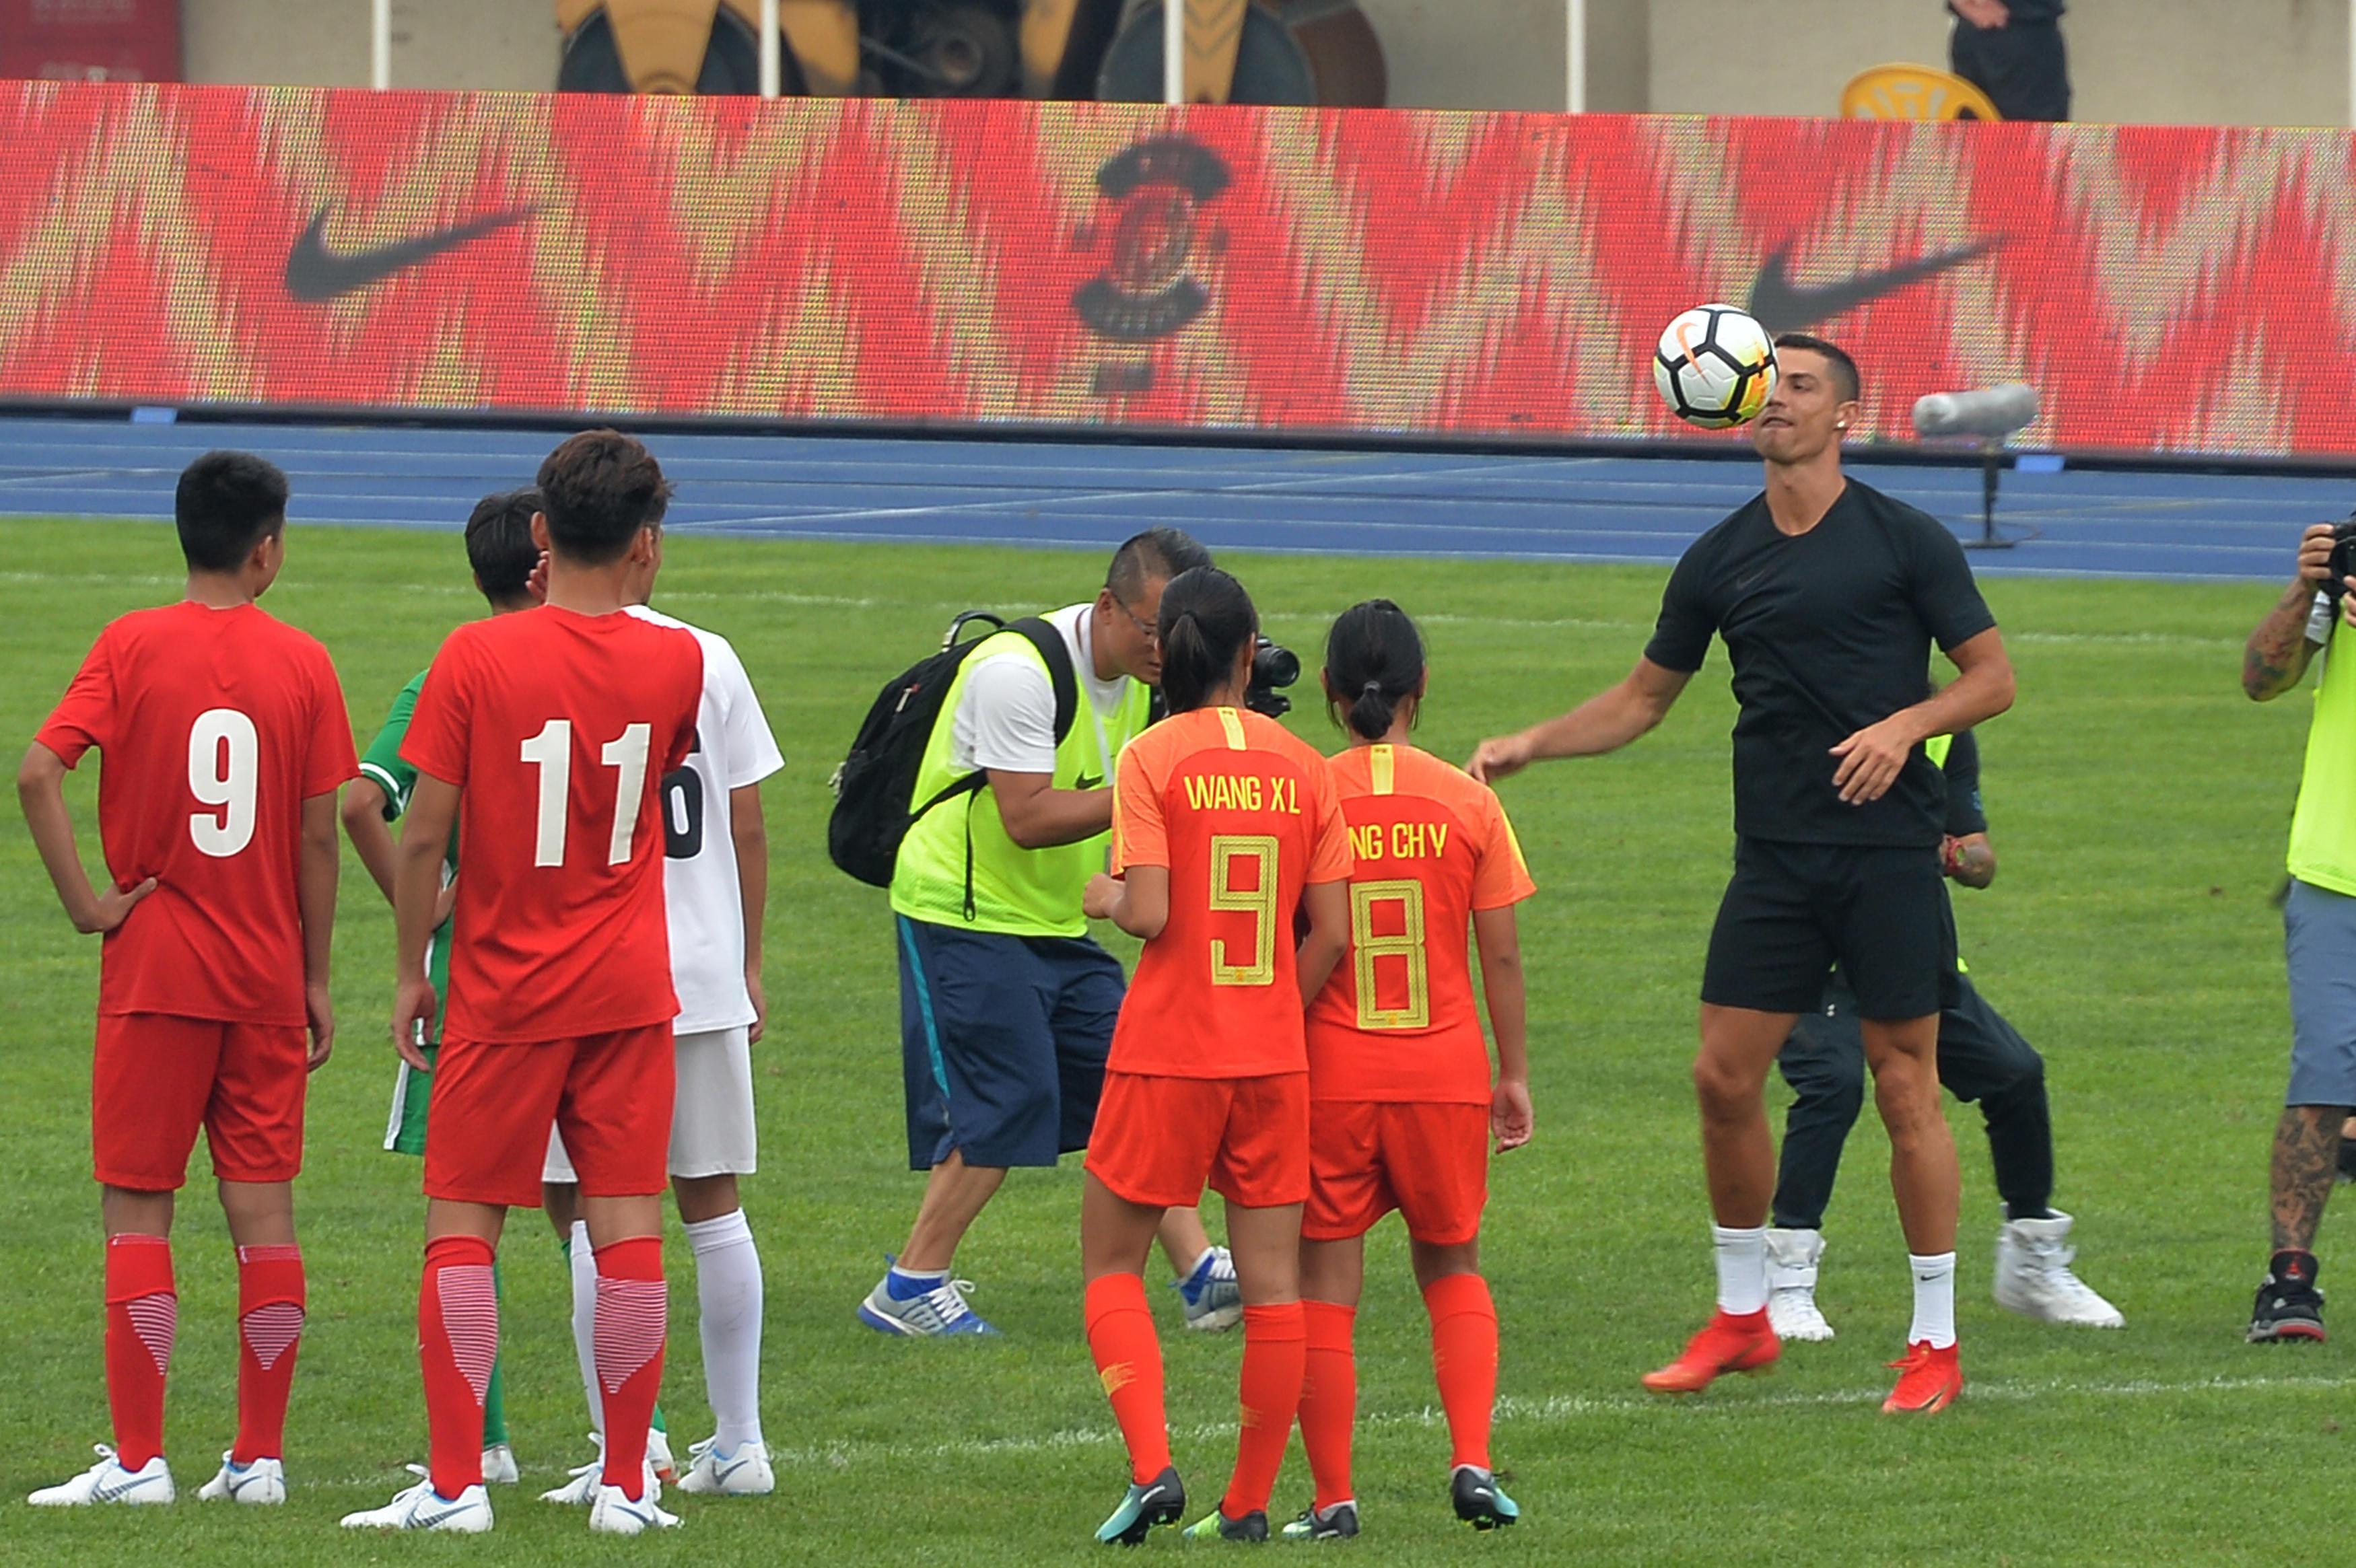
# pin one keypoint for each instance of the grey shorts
(2319, 946)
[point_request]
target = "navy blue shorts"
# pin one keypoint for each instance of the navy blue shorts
(1003, 1042)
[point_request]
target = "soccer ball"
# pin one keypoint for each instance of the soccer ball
(1716, 367)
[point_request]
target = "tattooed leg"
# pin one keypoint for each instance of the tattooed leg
(2306, 1161)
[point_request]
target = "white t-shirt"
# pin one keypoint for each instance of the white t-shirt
(1007, 718)
(702, 896)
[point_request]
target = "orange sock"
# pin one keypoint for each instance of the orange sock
(1276, 1350)
(1329, 1398)
(1464, 1360)
(1129, 1362)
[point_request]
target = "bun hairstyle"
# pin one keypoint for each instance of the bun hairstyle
(1374, 661)
(1207, 621)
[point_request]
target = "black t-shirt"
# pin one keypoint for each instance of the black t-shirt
(1966, 814)
(1828, 630)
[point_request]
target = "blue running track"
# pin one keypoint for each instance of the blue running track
(2113, 523)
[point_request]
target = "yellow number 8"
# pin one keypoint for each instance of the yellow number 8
(1259, 902)
(1407, 944)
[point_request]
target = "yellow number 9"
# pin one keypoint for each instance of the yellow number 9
(1261, 903)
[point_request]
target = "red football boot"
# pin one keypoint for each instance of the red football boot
(1728, 1343)
(1928, 1381)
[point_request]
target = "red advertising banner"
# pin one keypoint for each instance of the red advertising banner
(90, 40)
(1080, 267)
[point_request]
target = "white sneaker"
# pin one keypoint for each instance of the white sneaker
(613, 1514)
(107, 1482)
(2033, 1276)
(658, 1455)
(1213, 1299)
(418, 1507)
(746, 1473)
(261, 1482)
(939, 1311)
(582, 1489)
(1792, 1260)
(499, 1466)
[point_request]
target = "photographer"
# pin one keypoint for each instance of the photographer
(2319, 925)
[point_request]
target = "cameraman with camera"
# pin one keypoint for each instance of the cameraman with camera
(2318, 922)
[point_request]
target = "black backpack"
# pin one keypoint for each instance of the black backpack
(875, 789)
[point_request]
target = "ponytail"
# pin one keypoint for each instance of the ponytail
(1374, 661)
(1206, 621)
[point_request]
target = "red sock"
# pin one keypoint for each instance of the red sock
(1276, 1349)
(1329, 1398)
(269, 1330)
(1128, 1363)
(141, 1312)
(457, 1341)
(1464, 1360)
(626, 1338)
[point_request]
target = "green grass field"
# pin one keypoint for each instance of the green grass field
(2139, 805)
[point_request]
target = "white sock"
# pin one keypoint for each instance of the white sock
(1741, 1268)
(1934, 1300)
(728, 1286)
(585, 1321)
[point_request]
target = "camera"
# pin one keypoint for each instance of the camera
(2343, 564)
(1275, 667)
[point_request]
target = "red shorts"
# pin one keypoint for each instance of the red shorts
(1431, 1162)
(155, 1079)
(610, 1094)
(1159, 1140)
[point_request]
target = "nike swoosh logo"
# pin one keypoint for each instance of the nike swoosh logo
(428, 1520)
(314, 273)
(107, 1494)
(1783, 305)
(1087, 781)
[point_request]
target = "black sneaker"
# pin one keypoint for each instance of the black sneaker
(1162, 1500)
(1339, 1522)
(2289, 1307)
(1480, 1501)
(1216, 1526)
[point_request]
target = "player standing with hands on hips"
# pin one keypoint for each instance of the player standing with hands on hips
(1829, 595)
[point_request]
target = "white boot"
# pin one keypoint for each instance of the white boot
(2033, 1276)
(1792, 1259)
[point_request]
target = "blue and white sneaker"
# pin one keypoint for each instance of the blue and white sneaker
(261, 1483)
(421, 1508)
(107, 1482)
(746, 1473)
(613, 1514)
(925, 1310)
(1213, 1300)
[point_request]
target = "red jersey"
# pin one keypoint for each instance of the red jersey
(216, 726)
(1244, 816)
(558, 727)
(1399, 1021)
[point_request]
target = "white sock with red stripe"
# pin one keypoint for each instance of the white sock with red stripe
(632, 1316)
(728, 1293)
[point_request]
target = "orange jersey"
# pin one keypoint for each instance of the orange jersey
(1399, 1021)
(1244, 816)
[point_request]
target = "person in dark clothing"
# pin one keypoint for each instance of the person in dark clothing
(1981, 1057)
(2011, 50)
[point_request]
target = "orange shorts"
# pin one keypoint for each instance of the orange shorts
(609, 1094)
(1431, 1162)
(155, 1079)
(1158, 1141)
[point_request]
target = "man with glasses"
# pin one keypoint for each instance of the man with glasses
(1006, 1005)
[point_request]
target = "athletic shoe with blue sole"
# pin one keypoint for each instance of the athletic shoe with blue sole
(928, 1314)
(1148, 1505)
(1480, 1501)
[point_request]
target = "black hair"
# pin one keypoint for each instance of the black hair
(1851, 386)
(1374, 661)
(597, 490)
(1207, 621)
(1161, 553)
(498, 544)
(227, 502)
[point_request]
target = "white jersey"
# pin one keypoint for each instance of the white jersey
(702, 896)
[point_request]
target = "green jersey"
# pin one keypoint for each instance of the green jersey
(383, 766)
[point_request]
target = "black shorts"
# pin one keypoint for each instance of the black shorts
(1793, 910)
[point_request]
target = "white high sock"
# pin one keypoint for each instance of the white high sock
(728, 1284)
(1741, 1268)
(1934, 1300)
(585, 1321)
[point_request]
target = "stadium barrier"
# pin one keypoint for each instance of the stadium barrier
(1073, 268)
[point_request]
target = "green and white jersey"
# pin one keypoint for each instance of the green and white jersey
(383, 766)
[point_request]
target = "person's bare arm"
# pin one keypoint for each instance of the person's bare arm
(1138, 902)
(416, 884)
(2275, 658)
(1604, 722)
(364, 823)
(1327, 904)
(1970, 859)
(1040, 817)
(314, 897)
(40, 790)
(1985, 15)
(750, 833)
(1872, 759)
(1499, 935)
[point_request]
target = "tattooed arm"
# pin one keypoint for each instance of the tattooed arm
(2276, 657)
